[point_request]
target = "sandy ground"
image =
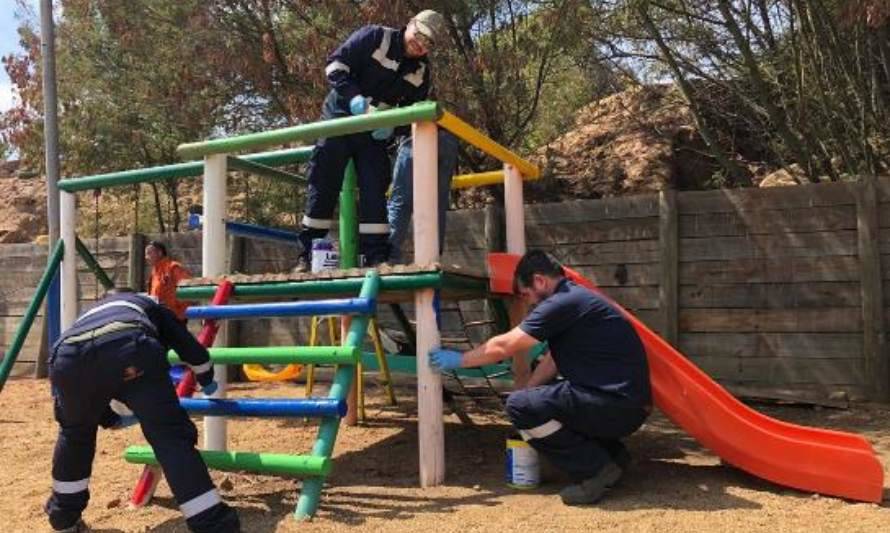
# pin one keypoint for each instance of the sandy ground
(674, 485)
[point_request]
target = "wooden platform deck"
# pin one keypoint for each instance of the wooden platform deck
(397, 283)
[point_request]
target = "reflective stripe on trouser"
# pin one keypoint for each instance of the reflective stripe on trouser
(576, 429)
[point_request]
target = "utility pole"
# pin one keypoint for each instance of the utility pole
(51, 145)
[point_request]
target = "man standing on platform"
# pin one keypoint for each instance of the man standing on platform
(376, 68)
(165, 277)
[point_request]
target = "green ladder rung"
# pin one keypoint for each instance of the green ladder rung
(280, 355)
(260, 463)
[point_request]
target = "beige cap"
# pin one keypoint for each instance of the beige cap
(431, 24)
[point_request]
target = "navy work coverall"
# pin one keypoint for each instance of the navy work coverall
(578, 422)
(118, 350)
(371, 63)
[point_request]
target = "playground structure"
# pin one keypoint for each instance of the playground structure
(799, 457)
(420, 286)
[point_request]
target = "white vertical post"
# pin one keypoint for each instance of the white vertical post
(213, 263)
(431, 434)
(68, 278)
(513, 210)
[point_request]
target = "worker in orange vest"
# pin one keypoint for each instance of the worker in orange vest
(165, 276)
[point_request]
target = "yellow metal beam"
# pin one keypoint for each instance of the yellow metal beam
(480, 179)
(481, 141)
(465, 181)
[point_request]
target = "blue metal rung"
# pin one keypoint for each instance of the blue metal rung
(312, 407)
(348, 306)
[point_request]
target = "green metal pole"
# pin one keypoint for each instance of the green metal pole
(279, 355)
(399, 282)
(192, 169)
(93, 265)
(28, 320)
(260, 463)
(263, 170)
(349, 219)
(327, 432)
(420, 112)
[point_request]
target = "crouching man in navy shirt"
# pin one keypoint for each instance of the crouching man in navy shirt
(118, 350)
(576, 422)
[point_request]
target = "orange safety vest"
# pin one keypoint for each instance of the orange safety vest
(165, 276)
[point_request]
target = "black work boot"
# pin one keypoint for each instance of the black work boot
(592, 490)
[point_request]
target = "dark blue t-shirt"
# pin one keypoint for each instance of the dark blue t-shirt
(591, 342)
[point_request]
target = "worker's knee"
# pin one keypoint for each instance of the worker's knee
(518, 406)
(180, 429)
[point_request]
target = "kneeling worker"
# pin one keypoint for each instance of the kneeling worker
(118, 350)
(576, 423)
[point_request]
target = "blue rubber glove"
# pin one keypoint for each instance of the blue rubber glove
(210, 388)
(443, 359)
(358, 105)
(125, 422)
(382, 134)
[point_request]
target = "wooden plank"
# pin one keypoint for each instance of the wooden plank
(633, 229)
(884, 215)
(635, 298)
(8, 327)
(873, 349)
(639, 206)
(606, 253)
(799, 345)
(620, 275)
(669, 244)
(837, 396)
(838, 319)
(819, 244)
(883, 189)
(771, 198)
(771, 295)
(136, 265)
(775, 221)
(23, 263)
(784, 370)
(652, 318)
(766, 270)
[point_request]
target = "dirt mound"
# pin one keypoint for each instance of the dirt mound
(22, 206)
(637, 141)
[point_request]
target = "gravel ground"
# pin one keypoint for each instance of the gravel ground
(674, 485)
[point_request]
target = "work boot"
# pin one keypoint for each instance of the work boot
(303, 266)
(591, 490)
(79, 527)
(622, 459)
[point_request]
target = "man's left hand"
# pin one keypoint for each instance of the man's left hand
(443, 359)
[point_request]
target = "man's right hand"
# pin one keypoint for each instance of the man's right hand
(444, 359)
(358, 105)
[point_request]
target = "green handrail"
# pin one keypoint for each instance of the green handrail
(327, 432)
(21, 333)
(389, 283)
(192, 169)
(423, 111)
(93, 265)
(262, 170)
(279, 355)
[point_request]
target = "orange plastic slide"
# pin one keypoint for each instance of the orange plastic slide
(810, 459)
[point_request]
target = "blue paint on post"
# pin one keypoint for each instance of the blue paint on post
(313, 407)
(347, 306)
